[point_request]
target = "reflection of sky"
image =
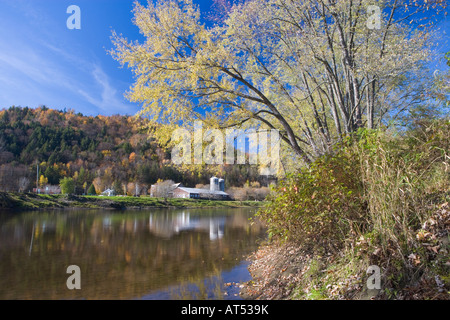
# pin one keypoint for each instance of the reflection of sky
(214, 287)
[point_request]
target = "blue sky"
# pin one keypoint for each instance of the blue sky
(42, 62)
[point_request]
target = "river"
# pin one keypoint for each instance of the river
(146, 254)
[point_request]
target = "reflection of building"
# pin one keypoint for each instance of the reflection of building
(167, 226)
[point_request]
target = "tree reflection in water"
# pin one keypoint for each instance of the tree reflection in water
(123, 255)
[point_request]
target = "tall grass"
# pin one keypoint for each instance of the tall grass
(376, 191)
(393, 191)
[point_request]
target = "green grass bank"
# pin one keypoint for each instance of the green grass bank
(31, 201)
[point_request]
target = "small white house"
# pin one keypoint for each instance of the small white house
(108, 193)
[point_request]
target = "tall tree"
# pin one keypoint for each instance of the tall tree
(67, 185)
(313, 69)
(91, 190)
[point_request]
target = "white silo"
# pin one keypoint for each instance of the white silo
(214, 184)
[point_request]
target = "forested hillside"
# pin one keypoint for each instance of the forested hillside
(106, 151)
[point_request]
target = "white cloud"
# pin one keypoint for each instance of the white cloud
(32, 74)
(107, 99)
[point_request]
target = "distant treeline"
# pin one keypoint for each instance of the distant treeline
(101, 151)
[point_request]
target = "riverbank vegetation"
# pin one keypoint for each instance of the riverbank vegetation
(31, 201)
(381, 199)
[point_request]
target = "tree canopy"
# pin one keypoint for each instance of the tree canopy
(313, 69)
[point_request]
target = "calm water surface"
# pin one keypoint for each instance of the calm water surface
(157, 254)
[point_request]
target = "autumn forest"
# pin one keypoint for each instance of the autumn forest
(96, 152)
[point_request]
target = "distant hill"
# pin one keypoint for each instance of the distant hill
(106, 151)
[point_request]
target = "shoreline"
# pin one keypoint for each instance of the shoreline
(291, 271)
(10, 201)
(275, 269)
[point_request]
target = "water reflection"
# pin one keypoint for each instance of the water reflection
(124, 255)
(168, 225)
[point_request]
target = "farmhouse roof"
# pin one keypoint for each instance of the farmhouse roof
(204, 191)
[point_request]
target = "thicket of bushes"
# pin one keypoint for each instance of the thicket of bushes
(371, 201)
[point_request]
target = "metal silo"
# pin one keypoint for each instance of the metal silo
(222, 185)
